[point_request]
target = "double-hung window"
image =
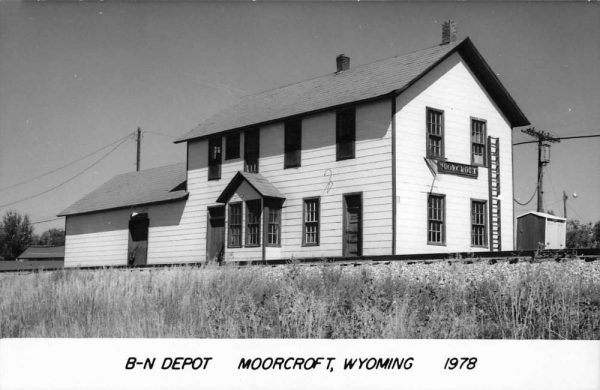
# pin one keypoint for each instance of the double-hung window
(253, 213)
(478, 142)
(214, 158)
(435, 133)
(273, 223)
(251, 146)
(235, 225)
(436, 215)
(345, 130)
(478, 223)
(293, 143)
(311, 220)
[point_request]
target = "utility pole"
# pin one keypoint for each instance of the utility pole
(543, 140)
(138, 140)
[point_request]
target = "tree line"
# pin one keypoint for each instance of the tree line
(16, 235)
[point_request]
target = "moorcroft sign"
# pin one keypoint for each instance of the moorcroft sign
(457, 169)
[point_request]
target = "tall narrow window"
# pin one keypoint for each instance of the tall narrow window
(274, 225)
(253, 212)
(251, 145)
(435, 133)
(214, 158)
(235, 225)
(345, 130)
(232, 146)
(310, 234)
(436, 211)
(293, 143)
(478, 138)
(478, 223)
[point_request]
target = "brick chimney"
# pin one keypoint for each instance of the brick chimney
(448, 32)
(343, 62)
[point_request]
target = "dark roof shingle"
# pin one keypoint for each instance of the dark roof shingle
(134, 188)
(360, 83)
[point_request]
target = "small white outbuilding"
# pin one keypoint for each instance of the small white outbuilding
(537, 230)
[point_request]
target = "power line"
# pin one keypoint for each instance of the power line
(530, 199)
(161, 134)
(63, 166)
(46, 220)
(68, 180)
(560, 138)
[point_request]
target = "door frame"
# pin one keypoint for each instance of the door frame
(344, 222)
(208, 230)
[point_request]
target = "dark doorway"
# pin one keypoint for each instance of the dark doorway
(352, 237)
(215, 234)
(138, 240)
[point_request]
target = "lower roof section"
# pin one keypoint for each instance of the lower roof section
(154, 185)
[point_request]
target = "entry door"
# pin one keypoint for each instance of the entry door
(138, 240)
(215, 234)
(352, 225)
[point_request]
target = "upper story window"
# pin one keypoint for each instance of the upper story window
(435, 133)
(345, 133)
(293, 143)
(478, 142)
(311, 220)
(214, 158)
(251, 146)
(436, 215)
(478, 223)
(232, 146)
(235, 225)
(253, 212)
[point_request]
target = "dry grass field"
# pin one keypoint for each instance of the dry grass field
(502, 301)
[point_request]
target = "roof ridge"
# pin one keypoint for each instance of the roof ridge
(456, 43)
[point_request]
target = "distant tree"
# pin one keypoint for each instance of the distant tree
(52, 237)
(579, 235)
(596, 232)
(16, 233)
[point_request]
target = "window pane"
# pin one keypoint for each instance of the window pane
(232, 147)
(251, 150)
(435, 219)
(345, 133)
(311, 221)
(293, 139)
(435, 133)
(253, 212)
(235, 224)
(214, 158)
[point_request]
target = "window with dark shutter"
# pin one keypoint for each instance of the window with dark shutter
(253, 212)
(478, 138)
(214, 158)
(435, 133)
(478, 223)
(345, 130)
(235, 225)
(436, 215)
(311, 218)
(251, 145)
(293, 143)
(232, 146)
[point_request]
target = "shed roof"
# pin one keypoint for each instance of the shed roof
(256, 181)
(134, 188)
(43, 252)
(360, 83)
(542, 215)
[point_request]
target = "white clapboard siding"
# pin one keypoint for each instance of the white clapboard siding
(450, 87)
(369, 173)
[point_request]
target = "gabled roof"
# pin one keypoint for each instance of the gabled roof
(361, 83)
(135, 188)
(256, 181)
(543, 215)
(43, 252)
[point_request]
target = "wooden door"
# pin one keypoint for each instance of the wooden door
(215, 234)
(352, 236)
(138, 240)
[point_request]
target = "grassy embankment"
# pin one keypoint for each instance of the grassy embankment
(522, 301)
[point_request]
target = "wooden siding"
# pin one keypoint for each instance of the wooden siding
(101, 238)
(450, 87)
(369, 172)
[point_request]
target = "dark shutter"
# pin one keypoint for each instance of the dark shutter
(293, 143)
(345, 133)
(251, 145)
(232, 146)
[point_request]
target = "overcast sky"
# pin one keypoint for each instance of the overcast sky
(75, 77)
